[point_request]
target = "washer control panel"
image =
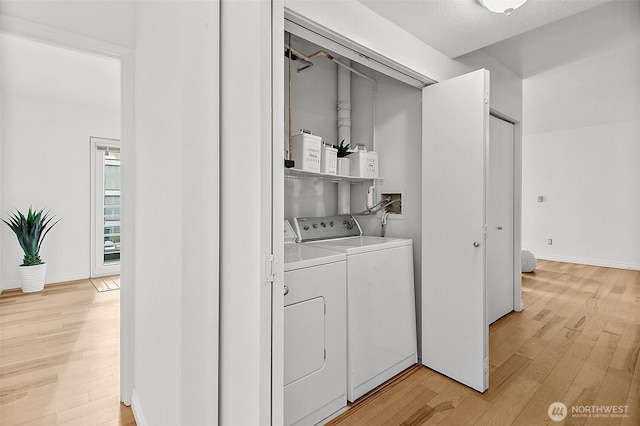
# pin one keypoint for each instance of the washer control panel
(324, 228)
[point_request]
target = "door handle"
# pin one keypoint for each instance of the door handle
(286, 290)
(499, 228)
(476, 244)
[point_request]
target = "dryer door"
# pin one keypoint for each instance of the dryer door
(303, 339)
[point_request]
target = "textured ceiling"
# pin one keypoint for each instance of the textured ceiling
(456, 27)
(606, 27)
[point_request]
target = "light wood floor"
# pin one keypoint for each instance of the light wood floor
(59, 357)
(576, 342)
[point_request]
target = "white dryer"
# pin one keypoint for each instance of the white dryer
(315, 364)
(381, 319)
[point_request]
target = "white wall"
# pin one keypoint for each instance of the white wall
(176, 145)
(158, 233)
(581, 133)
(46, 163)
(245, 221)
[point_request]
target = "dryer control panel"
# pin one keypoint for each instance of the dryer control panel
(324, 228)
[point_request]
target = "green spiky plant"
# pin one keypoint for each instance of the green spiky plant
(343, 150)
(31, 230)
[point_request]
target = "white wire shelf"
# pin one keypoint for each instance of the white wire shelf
(293, 173)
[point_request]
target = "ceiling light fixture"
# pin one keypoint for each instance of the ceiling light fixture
(502, 6)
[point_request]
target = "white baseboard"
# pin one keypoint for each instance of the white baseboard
(137, 410)
(51, 279)
(592, 262)
(8, 285)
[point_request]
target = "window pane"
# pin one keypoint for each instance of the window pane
(111, 207)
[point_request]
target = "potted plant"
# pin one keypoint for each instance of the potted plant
(344, 164)
(30, 231)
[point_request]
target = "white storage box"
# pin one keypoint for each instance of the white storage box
(329, 160)
(364, 164)
(307, 152)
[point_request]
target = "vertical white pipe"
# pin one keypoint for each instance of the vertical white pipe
(344, 131)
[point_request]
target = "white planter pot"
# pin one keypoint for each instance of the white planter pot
(32, 277)
(344, 166)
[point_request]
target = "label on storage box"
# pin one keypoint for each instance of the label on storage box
(328, 160)
(364, 164)
(306, 152)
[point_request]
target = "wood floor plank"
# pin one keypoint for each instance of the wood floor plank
(547, 359)
(469, 411)
(614, 388)
(501, 378)
(626, 356)
(587, 384)
(552, 389)
(505, 410)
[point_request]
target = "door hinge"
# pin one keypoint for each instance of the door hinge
(486, 365)
(486, 97)
(270, 268)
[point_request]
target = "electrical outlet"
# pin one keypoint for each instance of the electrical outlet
(549, 242)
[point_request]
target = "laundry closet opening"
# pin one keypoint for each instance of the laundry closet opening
(418, 192)
(343, 281)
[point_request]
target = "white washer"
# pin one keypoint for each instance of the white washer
(381, 319)
(315, 365)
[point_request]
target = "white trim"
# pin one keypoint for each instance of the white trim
(54, 36)
(213, 342)
(10, 285)
(50, 279)
(127, 200)
(138, 414)
(306, 29)
(277, 169)
(591, 262)
(517, 207)
(518, 304)
(57, 37)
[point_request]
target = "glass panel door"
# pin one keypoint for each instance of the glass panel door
(105, 200)
(111, 207)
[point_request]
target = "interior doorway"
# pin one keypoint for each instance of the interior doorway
(86, 47)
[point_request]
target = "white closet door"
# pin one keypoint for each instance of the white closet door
(455, 331)
(500, 229)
